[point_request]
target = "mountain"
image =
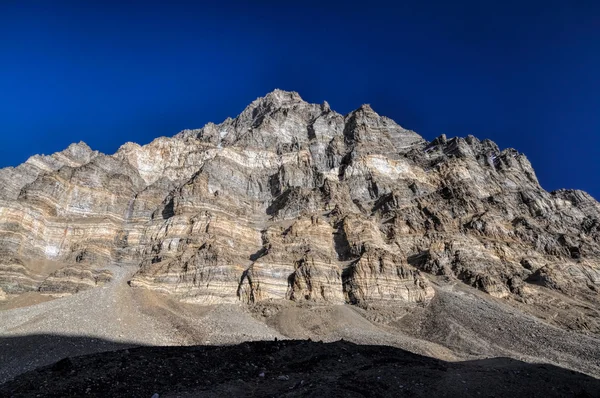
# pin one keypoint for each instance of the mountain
(298, 215)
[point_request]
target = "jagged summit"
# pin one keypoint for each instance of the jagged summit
(292, 202)
(366, 108)
(273, 101)
(283, 122)
(280, 98)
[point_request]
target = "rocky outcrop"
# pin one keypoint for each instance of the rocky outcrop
(293, 201)
(15, 278)
(70, 280)
(46, 276)
(381, 276)
(298, 262)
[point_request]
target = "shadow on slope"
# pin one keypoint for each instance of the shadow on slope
(291, 368)
(19, 354)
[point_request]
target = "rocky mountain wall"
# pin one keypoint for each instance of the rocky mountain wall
(293, 201)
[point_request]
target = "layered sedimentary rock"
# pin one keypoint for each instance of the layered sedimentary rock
(13, 179)
(293, 201)
(48, 277)
(73, 280)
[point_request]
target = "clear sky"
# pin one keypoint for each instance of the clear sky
(522, 73)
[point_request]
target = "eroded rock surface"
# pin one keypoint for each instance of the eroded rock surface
(293, 201)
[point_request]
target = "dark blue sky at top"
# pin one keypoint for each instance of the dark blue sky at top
(523, 73)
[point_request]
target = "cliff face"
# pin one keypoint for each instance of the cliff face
(293, 201)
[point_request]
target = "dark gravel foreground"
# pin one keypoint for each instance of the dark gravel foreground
(293, 369)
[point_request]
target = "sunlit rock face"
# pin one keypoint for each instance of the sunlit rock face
(293, 201)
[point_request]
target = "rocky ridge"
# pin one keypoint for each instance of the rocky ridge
(293, 201)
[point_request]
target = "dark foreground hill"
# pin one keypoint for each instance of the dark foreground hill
(293, 368)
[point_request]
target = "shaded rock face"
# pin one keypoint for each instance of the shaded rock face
(293, 201)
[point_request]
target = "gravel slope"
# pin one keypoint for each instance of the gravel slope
(459, 324)
(108, 313)
(114, 316)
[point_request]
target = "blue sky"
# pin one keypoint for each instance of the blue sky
(522, 73)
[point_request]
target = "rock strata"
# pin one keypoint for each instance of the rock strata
(293, 201)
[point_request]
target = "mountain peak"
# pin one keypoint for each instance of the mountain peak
(278, 98)
(279, 93)
(366, 108)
